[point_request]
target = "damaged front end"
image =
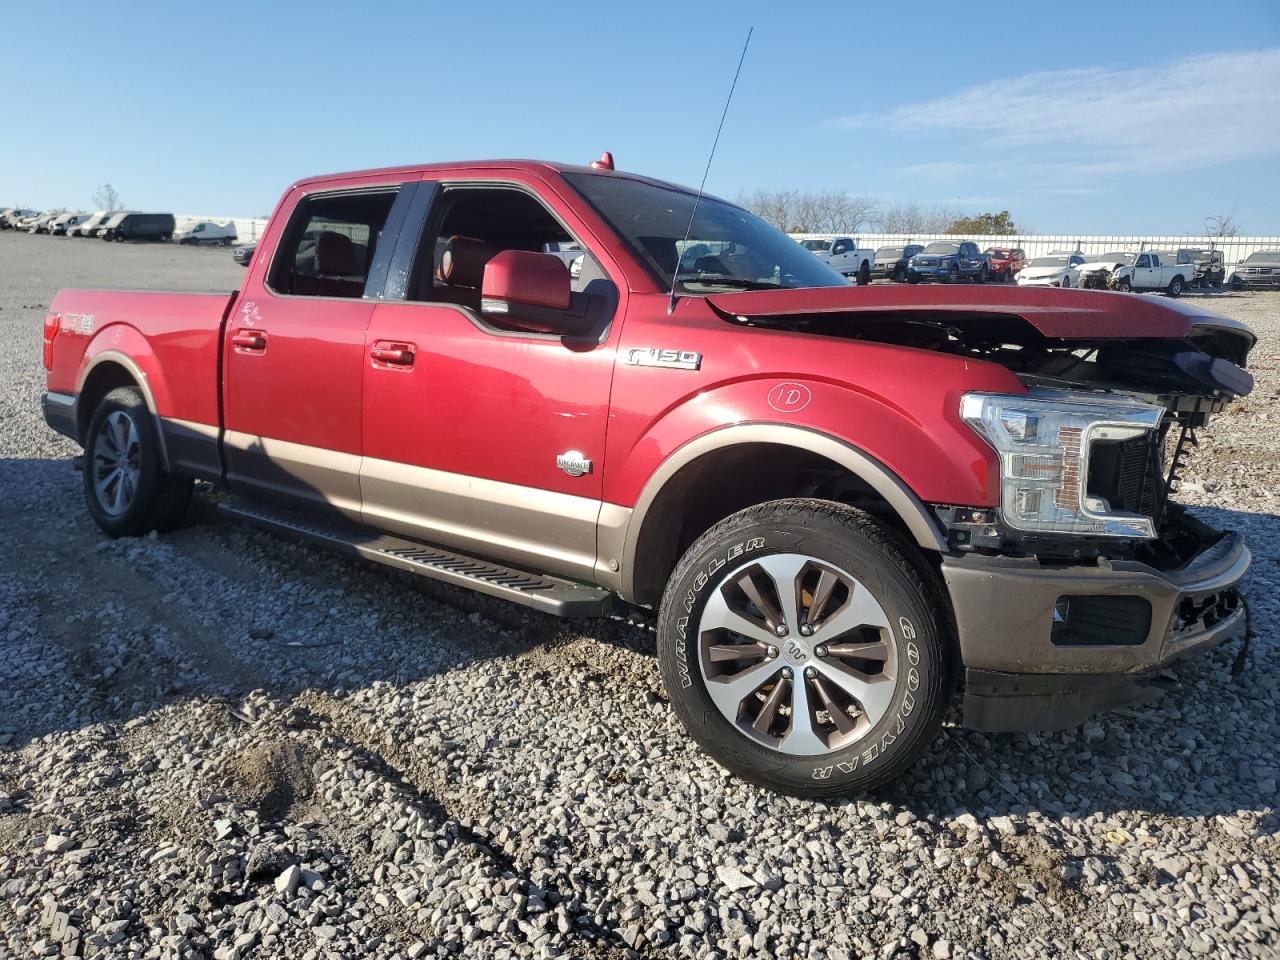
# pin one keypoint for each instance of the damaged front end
(1082, 584)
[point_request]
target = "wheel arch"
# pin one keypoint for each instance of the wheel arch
(108, 371)
(733, 467)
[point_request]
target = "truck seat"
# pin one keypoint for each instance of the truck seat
(461, 271)
(335, 264)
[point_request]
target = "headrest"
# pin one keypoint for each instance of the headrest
(463, 260)
(335, 254)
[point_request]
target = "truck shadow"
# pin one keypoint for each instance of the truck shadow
(100, 631)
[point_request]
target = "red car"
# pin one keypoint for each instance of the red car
(1005, 263)
(536, 381)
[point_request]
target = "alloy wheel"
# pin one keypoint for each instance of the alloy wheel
(116, 463)
(797, 654)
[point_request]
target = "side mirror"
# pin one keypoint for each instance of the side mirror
(528, 291)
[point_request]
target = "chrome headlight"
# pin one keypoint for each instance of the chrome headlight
(1043, 439)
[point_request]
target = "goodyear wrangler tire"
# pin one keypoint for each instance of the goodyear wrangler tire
(804, 647)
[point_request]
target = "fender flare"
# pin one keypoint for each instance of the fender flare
(140, 378)
(923, 526)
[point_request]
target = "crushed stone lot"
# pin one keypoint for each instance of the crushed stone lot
(220, 744)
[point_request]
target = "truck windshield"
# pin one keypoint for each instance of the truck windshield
(944, 249)
(727, 247)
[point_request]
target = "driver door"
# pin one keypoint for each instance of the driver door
(487, 440)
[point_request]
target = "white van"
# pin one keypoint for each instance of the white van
(206, 231)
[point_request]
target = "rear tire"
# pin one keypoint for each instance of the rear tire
(126, 488)
(899, 275)
(864, 275)
(982, 274)
(1175, 287)
(866, 712)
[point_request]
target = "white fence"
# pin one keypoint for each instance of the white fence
(1234, 249)
(248, 229)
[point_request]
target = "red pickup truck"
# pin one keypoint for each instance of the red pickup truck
(542, 382)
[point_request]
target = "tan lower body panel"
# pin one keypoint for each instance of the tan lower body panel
(539, 529)
(294, 471)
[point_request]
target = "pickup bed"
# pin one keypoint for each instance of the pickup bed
(837, 500)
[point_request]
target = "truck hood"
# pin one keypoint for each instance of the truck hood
(1072, 315)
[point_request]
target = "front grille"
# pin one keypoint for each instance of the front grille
(1127, 474)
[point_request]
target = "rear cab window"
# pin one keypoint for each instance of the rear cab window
(329, 243)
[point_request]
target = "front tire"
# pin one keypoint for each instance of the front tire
(1066, 282)
(953, 275)
(127, 490)
(803, 646)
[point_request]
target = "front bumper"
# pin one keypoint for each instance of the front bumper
(1021, 675)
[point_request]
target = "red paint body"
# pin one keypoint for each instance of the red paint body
(420, 383)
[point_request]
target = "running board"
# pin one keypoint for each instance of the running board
(564, 598)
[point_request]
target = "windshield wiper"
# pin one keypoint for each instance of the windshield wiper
(716, 280)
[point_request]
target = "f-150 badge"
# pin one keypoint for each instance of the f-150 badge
(659, 357)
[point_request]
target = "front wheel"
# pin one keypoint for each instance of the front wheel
(1175, 287)
(1066, 282)
(127, 489)
(953, 275)
(1125, 285)
(803, 647)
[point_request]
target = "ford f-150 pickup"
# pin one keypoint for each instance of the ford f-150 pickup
(841, 502)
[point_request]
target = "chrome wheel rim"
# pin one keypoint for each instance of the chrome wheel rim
(116, 463)
(797, 654)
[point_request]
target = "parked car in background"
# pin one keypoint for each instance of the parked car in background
(844, 256)
(949, 261)
(1211, 267)
(41, 223)
(1051, 271)
(891, 262)
(13, 216)
(243, 254)
(1153, 270)
(60, 225)
(209, 233)
(1005, 262)
(1261, 269)
(1098, 268)
(88, 227)
(139, 226)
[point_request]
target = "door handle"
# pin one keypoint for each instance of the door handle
(394, 354)
(252, 340)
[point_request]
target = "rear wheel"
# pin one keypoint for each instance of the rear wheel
(1175, 287)
(803, 648)
(127, 490)
(899, 275)
(982, 274)
(864, 275)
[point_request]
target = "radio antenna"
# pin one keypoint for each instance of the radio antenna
(671, 304)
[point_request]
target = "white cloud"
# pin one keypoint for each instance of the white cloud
(1094, 122)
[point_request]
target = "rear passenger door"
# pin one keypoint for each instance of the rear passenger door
(293, 357)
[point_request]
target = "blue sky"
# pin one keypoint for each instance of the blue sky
(1077, 117)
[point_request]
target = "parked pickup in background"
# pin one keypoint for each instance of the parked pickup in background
(840, 504)
(950, 262)
(1154, 271)
(1259, 270)
(891, 262)
(1005, 262)
(844, 256)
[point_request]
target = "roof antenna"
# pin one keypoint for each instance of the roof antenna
(671, 304)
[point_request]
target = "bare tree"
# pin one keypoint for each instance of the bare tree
(106, 198)
(1221, 225)
(912, 218)
(813, 211)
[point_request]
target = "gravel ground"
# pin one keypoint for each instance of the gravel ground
(220, 744)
